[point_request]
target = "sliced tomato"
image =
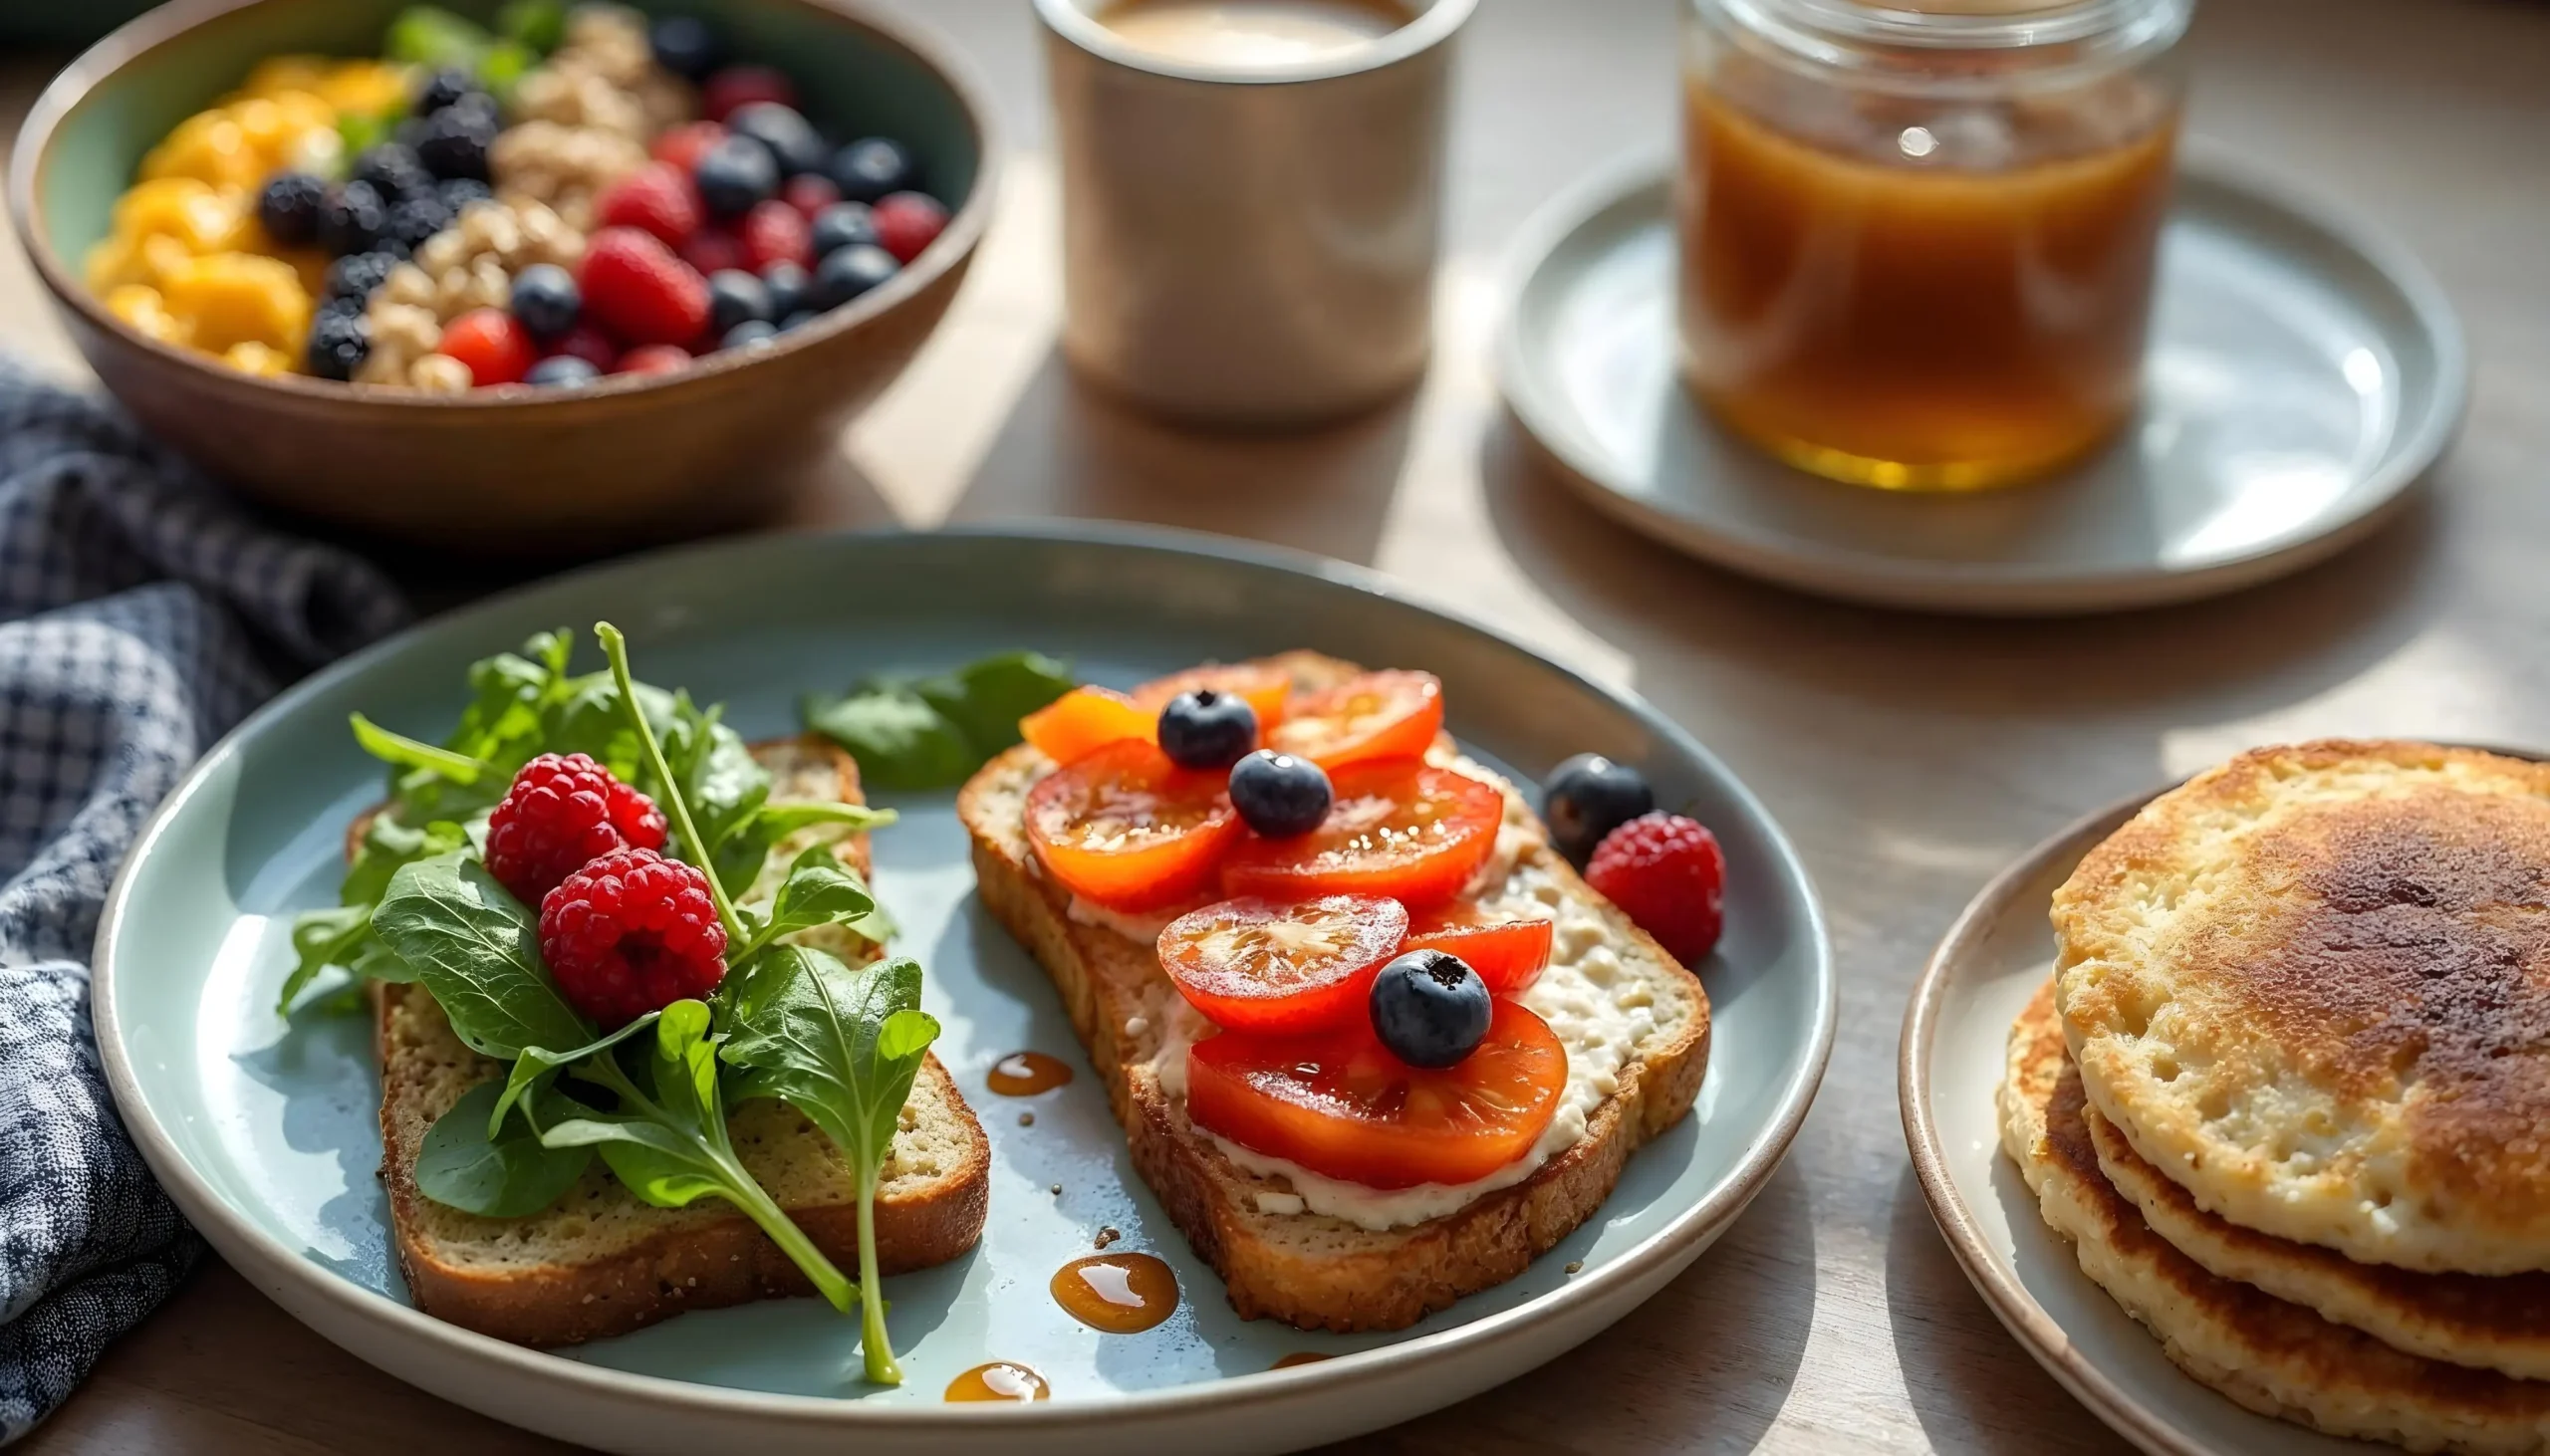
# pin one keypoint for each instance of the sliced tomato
(1397, 828)
(1087, 719)
(1267, 689)
(1508, 954)
(1374, 716)
(1343, 1105)
(1256, 965)
(1124, 827)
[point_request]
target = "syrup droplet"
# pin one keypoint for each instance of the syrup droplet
(1000, 1380)
(1025, 1074)
(1299, 1357)
(1120, 1293)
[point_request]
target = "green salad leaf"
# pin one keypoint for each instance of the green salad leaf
(840, 1045)
(933, 732)
(533, 1068)
(508, 1175)
(477, 949)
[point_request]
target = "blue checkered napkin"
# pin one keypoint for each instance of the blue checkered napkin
(140, 617)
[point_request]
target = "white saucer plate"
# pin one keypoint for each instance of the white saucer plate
(2303, 373)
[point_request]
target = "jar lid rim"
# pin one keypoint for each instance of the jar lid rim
(2007, 26)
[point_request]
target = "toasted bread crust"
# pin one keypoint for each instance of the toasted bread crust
(1354, 1281)
(705, 1257)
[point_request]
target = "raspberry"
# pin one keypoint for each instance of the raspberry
(654, 358)
(907, 222)
(712, 249)
(1668, 874)
(774, 232)
(637, 290)
(809, 193)
(741, 86)
(493, 344)
(629, 933)
(560, 812)
(588, 343)
(683, 147)
(656, 198)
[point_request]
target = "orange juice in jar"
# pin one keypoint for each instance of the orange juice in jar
(1918, 245)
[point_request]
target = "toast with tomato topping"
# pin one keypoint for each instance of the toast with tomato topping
(598, 1262)
(1279, 1259)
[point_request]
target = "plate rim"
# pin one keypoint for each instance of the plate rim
(1890, 581)
(1684, 1236)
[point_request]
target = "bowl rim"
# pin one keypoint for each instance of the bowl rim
(171, 23)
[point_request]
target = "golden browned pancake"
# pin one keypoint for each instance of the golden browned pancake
(2311, 987)
(2275, 1358)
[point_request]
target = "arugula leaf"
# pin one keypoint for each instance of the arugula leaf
(671, 1145)
(478, 951)
(400, 751)
(840, 1045)
(342, 936)
(320, 939)
(538, 25)
(933, 732)
(536, 1063)
(818, 889)
(469, 1164)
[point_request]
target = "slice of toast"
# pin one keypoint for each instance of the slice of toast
(598, 1262)
(1304, 1268)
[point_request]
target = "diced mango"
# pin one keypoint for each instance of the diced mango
(277, 74)
(257, 359)
(210, 147)
(194, 213)
(370, 87)
(237, 297)
(141, 306)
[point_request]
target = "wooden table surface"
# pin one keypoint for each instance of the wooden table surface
(1909, 757)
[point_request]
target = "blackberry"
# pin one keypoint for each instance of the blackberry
(393, 171)
(416, 219)
(352, 219)
(459, 192)
(453, 141)
(339, 344)
(443, 89)
(289, 207)
(356, 275)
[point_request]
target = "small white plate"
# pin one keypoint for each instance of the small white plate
(2303, 373)
(1994, 958)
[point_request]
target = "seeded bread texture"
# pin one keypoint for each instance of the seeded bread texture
(598, 1262)
(1305, 1269)
(2275, 1358)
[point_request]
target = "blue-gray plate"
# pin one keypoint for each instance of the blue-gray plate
(266, 1134)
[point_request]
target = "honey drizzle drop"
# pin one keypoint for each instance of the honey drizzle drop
(1025, 1074)
(1118, 1293)
(1000, 1380)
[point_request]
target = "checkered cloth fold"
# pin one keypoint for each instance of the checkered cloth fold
(140, 619)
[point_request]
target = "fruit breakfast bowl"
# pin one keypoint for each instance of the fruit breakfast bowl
(450, 309)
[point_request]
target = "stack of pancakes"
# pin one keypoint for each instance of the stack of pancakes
(2289, 1090)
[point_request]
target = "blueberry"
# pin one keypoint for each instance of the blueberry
(443, 87)
(846, 273)
(1588, 797)
(735, 174)
(798, 320)
(685, 45)
(339, 344)
(356, 275)
(393, 171)
(736, 297)
(289, 207)
(562, 372)
(842, 224)
(453, 141)
(748, 333)
(1207, 729)
(789, 288)
(1278, 795)
(414, 218)
(352, 219)
(871, 167)
(459, 192)
(1429, 1008)
(791, 138)
(546, 301)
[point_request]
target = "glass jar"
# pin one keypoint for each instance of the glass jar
(1917, 244)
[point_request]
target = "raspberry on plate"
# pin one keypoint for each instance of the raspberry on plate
(658, 198)
(560, 812)
(493, 344)
(1668, 874)
(632, 932)
(637, 288)
(683, 147)
(774, 232)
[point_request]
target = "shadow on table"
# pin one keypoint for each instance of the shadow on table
(1068, 449)
(1970, 1385)
(1724, 1340)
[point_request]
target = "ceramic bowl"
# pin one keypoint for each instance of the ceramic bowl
(508, 470)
